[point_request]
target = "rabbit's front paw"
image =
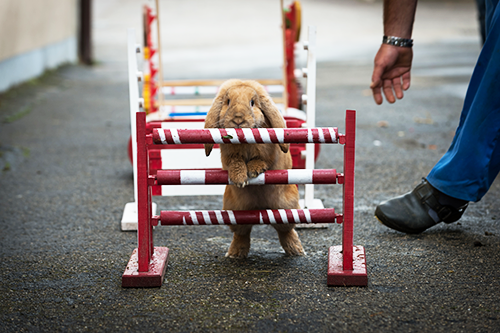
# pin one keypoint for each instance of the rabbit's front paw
(255, 173)
(242, 185)
(240, 182)
(238, 176)
(255, 168)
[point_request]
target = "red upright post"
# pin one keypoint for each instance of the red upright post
(348, 188)
(147, 264)
(143, 211)
(346, 263)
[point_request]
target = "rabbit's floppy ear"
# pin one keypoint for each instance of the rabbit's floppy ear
(212, 120)
(270, 110)
(213, 115)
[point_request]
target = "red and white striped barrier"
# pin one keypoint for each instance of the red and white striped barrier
(212, 177)
(245, 135)
(233, 217)
(346, 264)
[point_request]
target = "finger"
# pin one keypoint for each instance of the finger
(396, 85)
(377, 95)
(387, 88)
(378, 71)
(377, 76)
(406, 80)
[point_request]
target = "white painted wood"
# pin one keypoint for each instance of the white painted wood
(130, 218)
(309, 98)
(133, 93)
(158, 51)
(190, 190)
(311, 109)
(285, 80)
(184, 124)
(190, 159)
(209, 90)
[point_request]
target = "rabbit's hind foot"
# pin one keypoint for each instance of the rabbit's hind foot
(240, 246)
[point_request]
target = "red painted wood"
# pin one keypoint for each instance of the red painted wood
(143, 196)
(153, 276)
(155, 159)
(339, 276)
(274, 216)
(290, 39)
(348, 200)
(216, 177)
(324, 176)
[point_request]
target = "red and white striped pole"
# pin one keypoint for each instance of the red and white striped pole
(270, 177)
(245, 135)
(233, 217)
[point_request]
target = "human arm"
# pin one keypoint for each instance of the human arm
(391, 72)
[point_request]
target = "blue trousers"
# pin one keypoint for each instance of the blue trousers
(471, 164)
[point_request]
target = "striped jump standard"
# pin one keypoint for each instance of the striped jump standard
(146, 268)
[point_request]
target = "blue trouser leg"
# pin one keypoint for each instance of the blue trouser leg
(471, 164)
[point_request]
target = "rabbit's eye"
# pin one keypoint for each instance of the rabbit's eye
(228, 101)
(252, 103)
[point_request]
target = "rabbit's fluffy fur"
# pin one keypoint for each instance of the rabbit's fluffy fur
(246, 104)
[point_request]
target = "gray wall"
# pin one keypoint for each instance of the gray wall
(35, 35)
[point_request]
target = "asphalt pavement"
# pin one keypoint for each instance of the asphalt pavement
(66, 177)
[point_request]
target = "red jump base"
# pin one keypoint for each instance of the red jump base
(336, 274)
(132, 278)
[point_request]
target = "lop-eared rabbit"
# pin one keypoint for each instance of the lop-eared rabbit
(246, 104)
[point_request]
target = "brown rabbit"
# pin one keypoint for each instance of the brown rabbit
(246, 104)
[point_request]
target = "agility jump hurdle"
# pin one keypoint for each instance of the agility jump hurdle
(146, 268)
(153, 90)
(303, 155)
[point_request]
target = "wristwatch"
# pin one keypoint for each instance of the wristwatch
(397, 41)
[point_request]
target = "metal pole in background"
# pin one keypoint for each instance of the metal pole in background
(85, 33)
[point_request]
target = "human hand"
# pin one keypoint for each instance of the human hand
(391, 72)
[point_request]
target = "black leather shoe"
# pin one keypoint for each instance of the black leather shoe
(410, 213)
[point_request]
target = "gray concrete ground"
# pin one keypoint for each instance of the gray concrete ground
(66, 177)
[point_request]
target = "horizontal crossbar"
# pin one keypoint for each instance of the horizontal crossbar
(198, 102)
(245, 135)
(186, 83)
(185, 102)
(211, 90)
(293, 176)
(232, 217)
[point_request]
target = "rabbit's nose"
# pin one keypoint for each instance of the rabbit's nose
(238, 121)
